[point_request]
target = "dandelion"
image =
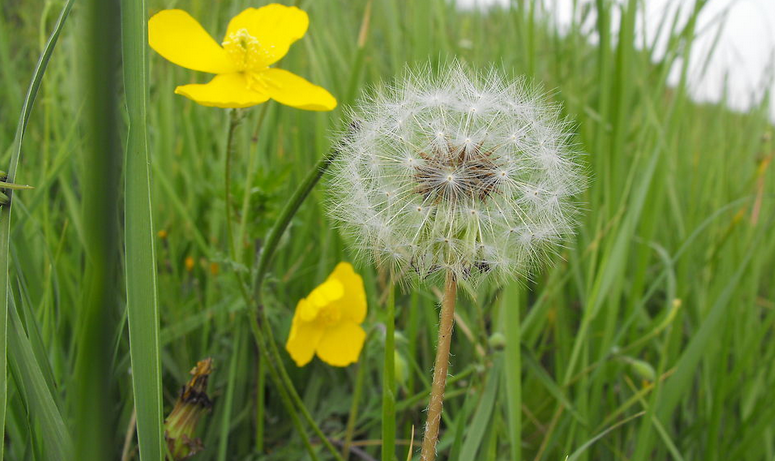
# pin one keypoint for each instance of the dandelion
(255, 39)
(328, 321)
(466, 175)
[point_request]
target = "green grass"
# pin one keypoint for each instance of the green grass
(673, 264)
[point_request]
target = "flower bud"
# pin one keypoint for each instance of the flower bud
(401, 368)
(497, 341)
(641, 368)
(192, 403)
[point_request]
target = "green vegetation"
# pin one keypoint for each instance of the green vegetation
(650, 337)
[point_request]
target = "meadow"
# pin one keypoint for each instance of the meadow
(648, 336)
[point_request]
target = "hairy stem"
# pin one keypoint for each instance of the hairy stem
(234, 121)
(440, 368)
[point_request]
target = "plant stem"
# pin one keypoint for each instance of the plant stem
(234, 121)
(446, 321)
(262, 331)
(389, 380)
(290, 209)
(352, 418)
(284, 395)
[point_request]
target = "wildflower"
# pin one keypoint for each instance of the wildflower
(189, 264)
(460, 173)
(255, 39)
(327, 322)
(162, 234)
(192, 403)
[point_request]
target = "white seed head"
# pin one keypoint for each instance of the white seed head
(463, 172)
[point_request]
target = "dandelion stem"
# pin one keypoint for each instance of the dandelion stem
(440, 368)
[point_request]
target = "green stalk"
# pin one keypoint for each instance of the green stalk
(92, 387)
(5, 211)
(513, 357)
(262, 331)
(389, 379)
(273, 374)
(141, 287)
(234, 121)
(290, 209)
(353, 416)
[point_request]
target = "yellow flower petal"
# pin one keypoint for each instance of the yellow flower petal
(179, 38)
(292, 90)
(227, 91)
(353, 303)
(303, 340)
(341, 344)
(275, 27)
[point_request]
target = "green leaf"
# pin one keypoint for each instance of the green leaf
(39, 401)
(5, 212)
(142, 301)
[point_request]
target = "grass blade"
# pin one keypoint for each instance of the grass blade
(40, 403)
(142, 300)
(5, 212)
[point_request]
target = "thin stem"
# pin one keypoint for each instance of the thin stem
(389, 380)
(234, 122)
(353, 417)
(246, 195)
(262, 331)
(440, 369)
(284, 395)
(298, 197)
(276, 359)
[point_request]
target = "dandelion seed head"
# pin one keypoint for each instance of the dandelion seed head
(463, 172)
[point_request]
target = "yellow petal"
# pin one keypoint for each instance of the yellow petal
(275, 27)
(227, 91)
(179, 38)
(303, 340)
(292, 90)
(341, 344)
(326, 292)
(353, 303)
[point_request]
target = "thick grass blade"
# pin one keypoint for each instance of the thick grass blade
(142, 298)
(93, 389)
(5, 212)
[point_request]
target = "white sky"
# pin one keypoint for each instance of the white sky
(744, 54)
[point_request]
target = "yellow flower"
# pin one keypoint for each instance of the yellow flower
(255, 39)
(327, 322)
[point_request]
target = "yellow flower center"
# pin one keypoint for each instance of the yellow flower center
(329, 315)
(251, 57)
(247, 51)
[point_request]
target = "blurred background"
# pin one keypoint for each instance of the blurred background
(649, 337)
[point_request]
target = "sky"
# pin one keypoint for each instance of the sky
(743, 60)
